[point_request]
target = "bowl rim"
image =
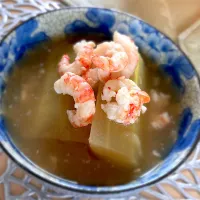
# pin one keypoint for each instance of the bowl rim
(73, 186)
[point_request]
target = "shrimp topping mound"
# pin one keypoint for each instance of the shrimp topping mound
(124, 100)
(83, 95)
(112, 63)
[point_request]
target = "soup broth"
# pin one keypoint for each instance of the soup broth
(37, 121)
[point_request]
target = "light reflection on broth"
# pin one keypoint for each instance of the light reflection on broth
(38, 124)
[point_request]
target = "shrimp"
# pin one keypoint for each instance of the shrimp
(161, 121)
(83, 61)
(91, 76)
(124, 100)
(120, 58)
(104, 76)
(132, 52)
(82, 65)
(84, 52)
(110, 56)
(65, 66)
(83, 95)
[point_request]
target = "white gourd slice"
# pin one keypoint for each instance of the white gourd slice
(115, 142)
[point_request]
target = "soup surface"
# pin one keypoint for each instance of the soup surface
(37, 121)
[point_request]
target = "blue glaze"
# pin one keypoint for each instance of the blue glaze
(151, 43)
(185, 121)
(148, 29)
(165, 45)
(176, 66)
(25, 39)
(2, 85)
(5, 62)
(3, 55)
(135, 28)
(3, 130)
(103, 21)
(186, 129)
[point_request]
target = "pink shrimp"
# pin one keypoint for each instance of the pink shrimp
(132, 51)
(110, 56)
(161, 121)
(84, 52)
(83, 95)
(65, 66)
(129, 100)
(116, 59)
(82, 63)
(91, 76)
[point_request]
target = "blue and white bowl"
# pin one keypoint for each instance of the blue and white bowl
(153, 44)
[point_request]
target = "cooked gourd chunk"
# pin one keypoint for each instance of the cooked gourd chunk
(116, 142)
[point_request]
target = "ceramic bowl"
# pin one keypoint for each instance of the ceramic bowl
(152, 44)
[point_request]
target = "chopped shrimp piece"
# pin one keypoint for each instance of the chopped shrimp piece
(156, 153)
(160, 99)
(84, 52)
(82, 62)
(83, 95)
(124, 100)
(110, 56)
(82, 65)
(64, 63)
(156, 81)
(104, 76)
(91, 76)
(116, 59)
(161, 121)
(79, 46)
(132, 52)
(65, 66)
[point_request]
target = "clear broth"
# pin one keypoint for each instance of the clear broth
(36, 119)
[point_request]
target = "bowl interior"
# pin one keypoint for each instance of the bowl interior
(151, 43)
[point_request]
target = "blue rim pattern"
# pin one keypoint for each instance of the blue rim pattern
(152, 44)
